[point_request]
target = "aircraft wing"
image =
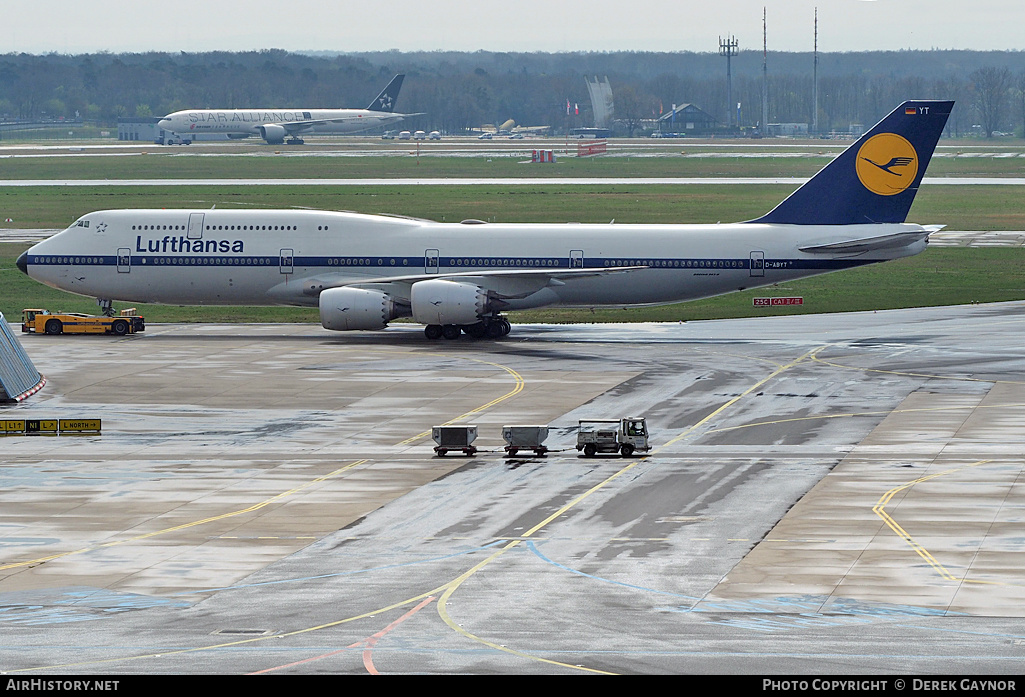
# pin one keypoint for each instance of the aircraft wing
(295, 127)
(866, 244)
(507, 284)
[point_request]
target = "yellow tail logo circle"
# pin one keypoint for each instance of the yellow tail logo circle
(887, 164)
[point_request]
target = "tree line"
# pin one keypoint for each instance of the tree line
(462, 91)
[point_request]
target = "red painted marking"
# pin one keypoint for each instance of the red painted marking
(367, 643)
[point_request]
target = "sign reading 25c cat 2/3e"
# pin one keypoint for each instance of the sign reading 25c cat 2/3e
(769, 302)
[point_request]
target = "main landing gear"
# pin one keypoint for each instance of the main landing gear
(487, 328)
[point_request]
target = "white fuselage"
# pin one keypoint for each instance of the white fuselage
(286, 257)
(243, 122)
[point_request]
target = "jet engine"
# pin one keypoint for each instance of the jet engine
(344, 309)
(273, 134)
(439, 301)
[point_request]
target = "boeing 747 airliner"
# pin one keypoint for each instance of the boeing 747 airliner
(365, 270)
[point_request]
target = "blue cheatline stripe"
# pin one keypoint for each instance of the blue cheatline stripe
(450, 264)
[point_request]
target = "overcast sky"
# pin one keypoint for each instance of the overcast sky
(87, 26)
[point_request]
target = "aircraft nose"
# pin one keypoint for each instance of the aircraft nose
(23, 262)
(165, 124)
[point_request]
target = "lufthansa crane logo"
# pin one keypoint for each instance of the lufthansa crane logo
(887, 164)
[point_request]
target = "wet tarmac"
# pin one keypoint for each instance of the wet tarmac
(826, 494)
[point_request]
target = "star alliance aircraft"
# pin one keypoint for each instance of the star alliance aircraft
(365, 270)
(274, 125)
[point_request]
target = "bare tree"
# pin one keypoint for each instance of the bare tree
(991, 88)
(1020, 91)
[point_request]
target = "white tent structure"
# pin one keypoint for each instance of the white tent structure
(18, 376)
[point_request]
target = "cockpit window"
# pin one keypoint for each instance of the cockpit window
(82, 223)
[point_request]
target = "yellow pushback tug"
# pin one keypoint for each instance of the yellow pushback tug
(44, 322)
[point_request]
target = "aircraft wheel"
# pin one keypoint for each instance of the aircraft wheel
(495, 329)
(433, 331)
(476, 331)
(506, 327)
(451, 331)
(54, 326)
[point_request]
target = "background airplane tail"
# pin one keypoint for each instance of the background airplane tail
(389, 95)
(876, 179)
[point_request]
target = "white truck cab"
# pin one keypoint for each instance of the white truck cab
(625, 436)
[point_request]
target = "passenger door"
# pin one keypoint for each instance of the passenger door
(195, 226)
(757, 264)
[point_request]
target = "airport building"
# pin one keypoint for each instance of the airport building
(689, 119)
(144, 129)
(138, 128)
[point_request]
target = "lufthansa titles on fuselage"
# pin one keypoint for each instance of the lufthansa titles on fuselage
(182, 244)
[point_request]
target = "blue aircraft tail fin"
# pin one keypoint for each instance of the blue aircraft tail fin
(876, 179)
(389, 95)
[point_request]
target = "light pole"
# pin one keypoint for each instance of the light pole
(728, 48)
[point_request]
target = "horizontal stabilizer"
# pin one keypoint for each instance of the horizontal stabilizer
(867, 244)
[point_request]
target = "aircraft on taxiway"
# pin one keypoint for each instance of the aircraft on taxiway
(363, 271)
(275, 125)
